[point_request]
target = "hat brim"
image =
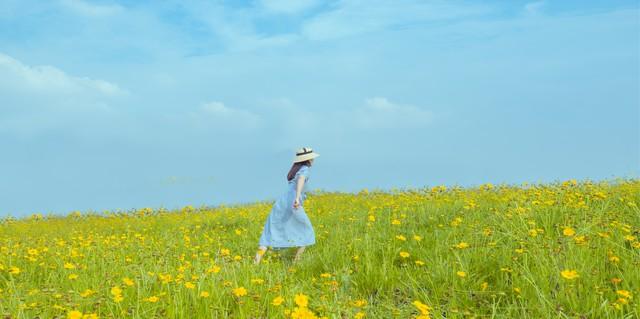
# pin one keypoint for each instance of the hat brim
(305, 157)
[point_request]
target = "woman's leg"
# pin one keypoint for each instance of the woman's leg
(298, 253)
(261, 251)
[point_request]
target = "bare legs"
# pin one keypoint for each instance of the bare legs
(263, 249)
(298, 253)
(259, 254)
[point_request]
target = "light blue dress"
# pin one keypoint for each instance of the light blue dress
(286, 226)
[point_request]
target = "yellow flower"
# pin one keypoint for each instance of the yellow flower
(419, 263)
(400, 237)
(580, 240)
(624, 293)
(417, 238)
(461, 274)
(69, 266)
(204, 294)
(614, 259)
(325, 275)
(302, 313)
(404, 254)
(152, 299)
(277, 301)
(127, 281)
(214, 269)
(14, 270)
(462, 245)
(424, 309)
(240, 291)
(359, 303)
(395, 222)
(189, 285)
(73, 276)
(165, 278)
(569, 274)
(533, 233)
(118, 298)
(116, 291)
(301, 300)
(484, 286)
(359, 315)
(568, 231)
(87, 293)
(90, 316)
(372, 218)
(74, 314)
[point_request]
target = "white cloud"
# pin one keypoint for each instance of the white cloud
(92, 10)
(239, 42)
(378, 112)
(352, 17)
(219, 115)
(36, 98)
(18, 77)
(288, 6)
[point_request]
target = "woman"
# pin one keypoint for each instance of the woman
(287, 224)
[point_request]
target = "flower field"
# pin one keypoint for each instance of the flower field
(560, 250)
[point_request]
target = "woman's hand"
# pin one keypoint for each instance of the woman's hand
(296, 202)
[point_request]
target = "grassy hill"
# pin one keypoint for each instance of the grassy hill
(562, 250)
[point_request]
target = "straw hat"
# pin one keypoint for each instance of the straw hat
(303, 154)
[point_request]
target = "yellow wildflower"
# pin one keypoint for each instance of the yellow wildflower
(127, 281)
(624, 293)
(152, 299)
(277, 301)
(240, 291)
(301, 300)
(424, 309)
(568, 231)
(569, 274)
(462, 245)
(74, 314)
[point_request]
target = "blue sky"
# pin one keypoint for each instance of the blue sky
(130, 104)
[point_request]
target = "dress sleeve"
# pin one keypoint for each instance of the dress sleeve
(303, 171)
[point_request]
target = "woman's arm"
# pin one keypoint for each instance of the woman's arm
(299, 185)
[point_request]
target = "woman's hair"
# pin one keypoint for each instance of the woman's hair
(295, 167)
